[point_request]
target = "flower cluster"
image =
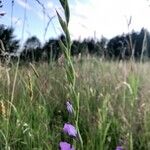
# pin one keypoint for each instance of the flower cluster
(69, 130)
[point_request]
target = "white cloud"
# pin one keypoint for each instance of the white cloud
(50, 5)
(107, 17)
(49, 11)
(24, 4)
(17, 21)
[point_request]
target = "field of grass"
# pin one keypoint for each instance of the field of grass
(114, 105)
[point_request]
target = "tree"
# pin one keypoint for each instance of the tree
(148, 44)
(32, 43)
(119, 47)
(32, 49)
(138, 40)
(77, 47)
(11, 45)
(132, 45)
(101, 46)
(51, 48)
(1, 4)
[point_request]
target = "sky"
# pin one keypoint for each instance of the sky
(89, 18)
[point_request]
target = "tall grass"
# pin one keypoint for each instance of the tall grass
(114, 105)
(69, 67)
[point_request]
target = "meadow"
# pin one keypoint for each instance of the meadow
(82, 103)
(114, 105)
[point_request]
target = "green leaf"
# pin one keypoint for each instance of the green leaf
(65, 29)
(63, 48)
(65, 6)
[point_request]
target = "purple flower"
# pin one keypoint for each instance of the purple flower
(69, 107)
(70, 130)
(65, 146)
(119, 148)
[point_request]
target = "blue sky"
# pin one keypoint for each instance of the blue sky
(35, 20)
(89, 18)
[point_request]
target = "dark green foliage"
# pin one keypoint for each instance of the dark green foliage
(1, 4)
(118, 47)
(32, 49)
(130, 45)
(76, 47)
(89, 46)
(123, 47)
(32, 43)
(51, 50)
(7, 36)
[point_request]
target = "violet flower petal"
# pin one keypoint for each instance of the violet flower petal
(119, 148)
(65, 146)
(69, 107)
(70, 130)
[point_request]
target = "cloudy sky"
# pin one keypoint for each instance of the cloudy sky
(89, 18)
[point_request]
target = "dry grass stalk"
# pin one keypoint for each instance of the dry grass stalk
(30, 87)
(34, 70)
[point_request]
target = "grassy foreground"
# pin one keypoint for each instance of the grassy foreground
(114, 105)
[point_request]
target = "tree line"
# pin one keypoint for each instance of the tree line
(134, 45)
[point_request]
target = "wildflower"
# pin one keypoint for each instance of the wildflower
(119, 148)
(70, 130)
(65, 146)
(69, 107)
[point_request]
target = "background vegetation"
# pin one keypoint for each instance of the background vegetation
(121, 47)
(114, 105)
